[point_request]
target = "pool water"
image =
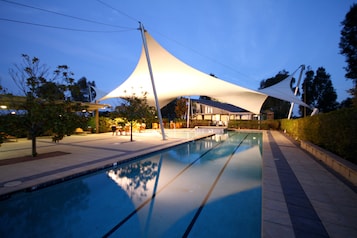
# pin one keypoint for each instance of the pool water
(206, 188)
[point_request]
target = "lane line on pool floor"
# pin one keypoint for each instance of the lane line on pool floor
(304, 219)
(198, 212)
(143, 204)
(123, 221)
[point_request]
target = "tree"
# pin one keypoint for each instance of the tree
(181, 108)
(348, 46)
(81, 91)
(135, 109)
(347, 103)
(203, 97)
(168, 111)
(2, 89)
(325, 93)
(177, 108)
(279, 107)
(46, 109)
(307, 94)
(319, 91)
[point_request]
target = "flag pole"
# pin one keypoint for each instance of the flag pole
(142, 30)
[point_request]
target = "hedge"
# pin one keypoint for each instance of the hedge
(254, 124)
(334, 131)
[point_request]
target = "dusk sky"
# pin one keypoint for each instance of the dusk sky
(240, 41)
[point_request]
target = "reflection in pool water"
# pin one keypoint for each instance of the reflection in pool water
(206, 188)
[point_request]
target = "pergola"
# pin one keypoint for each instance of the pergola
(17, 102)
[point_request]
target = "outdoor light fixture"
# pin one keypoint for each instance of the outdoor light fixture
(3, 106)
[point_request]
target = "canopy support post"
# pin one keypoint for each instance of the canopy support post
(296, 90)
(188, 112)
(142, 31)
(96, 119)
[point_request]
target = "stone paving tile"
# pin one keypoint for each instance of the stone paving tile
(340, 231)
(274, 230)
(273, 204)
(278, 217)
(275, 194)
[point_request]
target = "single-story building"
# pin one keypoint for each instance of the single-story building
(219, 113)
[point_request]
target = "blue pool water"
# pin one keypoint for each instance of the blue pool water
(206, 188)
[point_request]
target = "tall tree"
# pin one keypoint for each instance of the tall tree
(168, 111)
(181, 107)
(279, 107)
(46, 109)
(325, 93)
(81, 90)
(318, 91)
(348, 46)
(307, 94)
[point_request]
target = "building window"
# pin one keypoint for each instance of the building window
(208, 110)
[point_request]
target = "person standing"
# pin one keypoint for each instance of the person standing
(114, 129)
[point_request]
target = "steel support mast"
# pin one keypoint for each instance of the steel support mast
(142, 30)
(296, 90)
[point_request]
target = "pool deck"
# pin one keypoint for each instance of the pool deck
(301, 198)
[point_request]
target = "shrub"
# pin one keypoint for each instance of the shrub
(335, 131)
(242, 124)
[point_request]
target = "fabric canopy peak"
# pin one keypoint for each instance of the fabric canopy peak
(173, 79)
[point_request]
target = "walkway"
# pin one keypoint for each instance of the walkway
(300, 197)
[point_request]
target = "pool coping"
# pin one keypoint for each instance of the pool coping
(29, 183)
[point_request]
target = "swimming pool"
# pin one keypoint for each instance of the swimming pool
(206, 188)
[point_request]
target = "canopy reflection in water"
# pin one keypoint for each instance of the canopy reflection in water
(182, 183)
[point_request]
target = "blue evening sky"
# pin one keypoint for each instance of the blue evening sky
(240, 41)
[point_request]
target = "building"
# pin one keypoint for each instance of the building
(219, 113)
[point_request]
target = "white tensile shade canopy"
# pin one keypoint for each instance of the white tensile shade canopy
(173, 79)
(282, 91)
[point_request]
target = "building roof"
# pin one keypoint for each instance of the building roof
(16, 102)
(224, 106)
